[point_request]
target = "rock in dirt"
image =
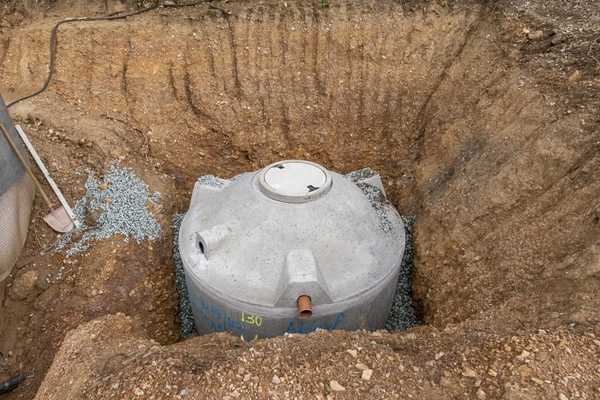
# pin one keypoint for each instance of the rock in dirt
(366, 374)
(361, 366)
(336, 387)
(24, 284)
(535, 35)
(575, 76)
(481, 395)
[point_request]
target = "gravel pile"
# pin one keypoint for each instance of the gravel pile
(115, 205)
(402, 315)
(186, 318)
(379, 203)
(375, 196)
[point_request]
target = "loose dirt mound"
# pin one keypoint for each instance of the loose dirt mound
(482, 120)
(109, 359)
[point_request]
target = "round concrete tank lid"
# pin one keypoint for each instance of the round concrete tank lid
(294, 181)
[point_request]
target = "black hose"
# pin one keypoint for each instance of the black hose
(11, 384)
(109, 17)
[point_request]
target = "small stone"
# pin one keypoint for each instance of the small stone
(24, 284)
(524, 371)
(444, 381)
(138, 392)
(352, 352)
(523, 356)
(469, 373)
(537, 381)
(542, 356)
(42, 282)
(336, 387)
(92, 217)
(366, 374)
(536, 35)
(491, 372)
(361, 366)
(575, 76)
(561, 396)
(276, 380)
(439, 355)
(480, 394)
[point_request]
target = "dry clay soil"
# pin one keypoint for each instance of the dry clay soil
(483, 119)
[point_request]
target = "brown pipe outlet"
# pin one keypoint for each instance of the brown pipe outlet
(304, 306)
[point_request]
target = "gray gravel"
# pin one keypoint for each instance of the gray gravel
(376, 197)
(380, 204)
(212, 181)
(403, 315)
(115, 205)
(361, 174)
(186, 318)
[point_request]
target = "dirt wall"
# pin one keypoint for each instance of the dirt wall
(483, 128)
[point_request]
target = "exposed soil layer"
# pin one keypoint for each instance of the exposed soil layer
(482, 120)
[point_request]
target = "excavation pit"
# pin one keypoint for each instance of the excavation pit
(496, 165)
(463, 138)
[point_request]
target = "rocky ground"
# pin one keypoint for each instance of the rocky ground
(482, 118)
(109, 358)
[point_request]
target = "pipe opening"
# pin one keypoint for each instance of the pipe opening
(304, 306)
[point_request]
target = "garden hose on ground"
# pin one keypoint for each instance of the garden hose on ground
(11, 384)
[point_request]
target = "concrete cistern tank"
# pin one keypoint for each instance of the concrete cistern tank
(291, 248)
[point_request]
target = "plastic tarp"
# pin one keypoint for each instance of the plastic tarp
(16, 197)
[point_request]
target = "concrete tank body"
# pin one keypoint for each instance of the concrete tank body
(253, 245)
